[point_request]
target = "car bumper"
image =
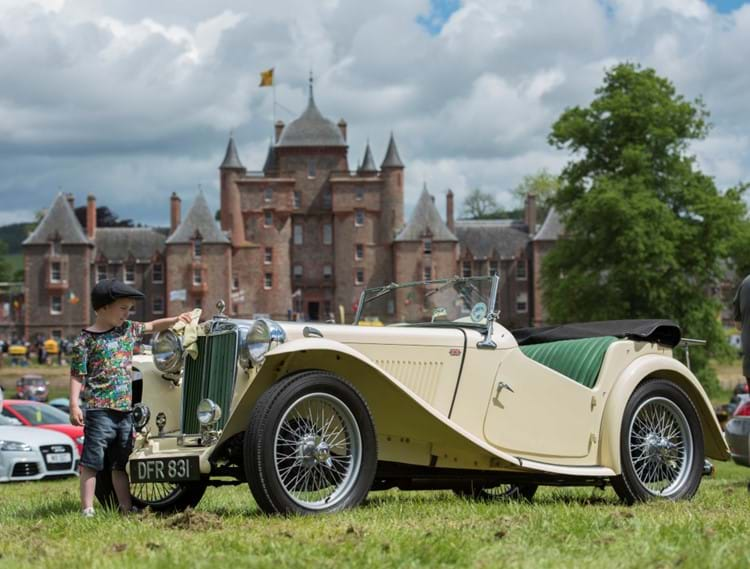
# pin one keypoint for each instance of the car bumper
(169, 447)
(25, 466)
(738, 438)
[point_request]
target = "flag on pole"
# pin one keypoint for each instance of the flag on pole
(72, 298)
(266, 78)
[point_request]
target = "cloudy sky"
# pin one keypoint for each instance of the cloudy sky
(131, 100)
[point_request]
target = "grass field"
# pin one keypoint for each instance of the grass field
(40, 527)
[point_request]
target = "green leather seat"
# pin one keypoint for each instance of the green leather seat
(580, 360)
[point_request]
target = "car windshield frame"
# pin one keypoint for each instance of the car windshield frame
(371, 294)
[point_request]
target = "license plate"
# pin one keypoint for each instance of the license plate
(178, 469)
(58, 458)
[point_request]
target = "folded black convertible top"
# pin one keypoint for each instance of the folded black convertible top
(664, 332)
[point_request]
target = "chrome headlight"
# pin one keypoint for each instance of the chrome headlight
(14, 446)
(259, 340)
(141, 415)
(167, 351)
(208, 412)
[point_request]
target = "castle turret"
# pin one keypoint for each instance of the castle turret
(392, 172)
(231, 213)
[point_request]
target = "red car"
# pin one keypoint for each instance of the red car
(35, 414)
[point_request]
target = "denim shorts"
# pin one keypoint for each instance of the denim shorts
(107, 434)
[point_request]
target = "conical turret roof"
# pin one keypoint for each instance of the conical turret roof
(198, 220)
(231, 158)
(272, 163)
(392, 159)
(59, 222)
(425, 220)
(368, 164)
(311, 129)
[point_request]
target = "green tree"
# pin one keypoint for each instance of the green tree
(543, 185)
(479, 204)
(5, 269)
(646, 231)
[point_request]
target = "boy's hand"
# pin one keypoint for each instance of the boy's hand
(76, 416)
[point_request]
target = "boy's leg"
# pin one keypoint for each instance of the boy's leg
(88, 487)
(121, 484)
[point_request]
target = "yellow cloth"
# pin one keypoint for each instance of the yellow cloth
(51, 346)
(266, 78)
(190, 333)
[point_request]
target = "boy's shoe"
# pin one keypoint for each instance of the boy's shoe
(87, 512)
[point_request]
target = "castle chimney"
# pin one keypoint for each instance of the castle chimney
(71, 200)
(90, 216)
(449, 210)
(278, 127)
(530, 212)
(342, 128)
(174, 212)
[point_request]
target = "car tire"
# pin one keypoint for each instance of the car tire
(311, 430)
(661, 445)
(506, 492)
(159, 497)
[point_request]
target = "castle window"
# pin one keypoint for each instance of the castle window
(268, 256)
(327, 199)
(427, 274)
(298, 235)
(158, 305)
(268, 194)
(359, 276)
(521, 270)
(359, 252)
(359, 194)
(327, 234)
(197, 277)
(359, 217)
(311, 168)
(521, 302)
(268, 281)
(493, 268)
(297, 200)
(129, 273)
(157, 273)
(427, 246)
(235, 282)
(466, 269)
(55, 304)
(267, 218)
(197, 246)
(327, 272)
(55, 272)
(101, 272)
(298, 271)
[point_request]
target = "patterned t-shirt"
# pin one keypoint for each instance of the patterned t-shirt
(103, 361)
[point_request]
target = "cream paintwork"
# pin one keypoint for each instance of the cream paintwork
(430, 415)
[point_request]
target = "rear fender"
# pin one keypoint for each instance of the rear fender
(408, 429)
(654, 366)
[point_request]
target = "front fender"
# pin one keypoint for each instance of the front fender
(661, 367)
(409, 430)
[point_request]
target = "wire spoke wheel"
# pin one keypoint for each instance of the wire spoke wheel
(153, 492)
(661, 446)
(317, 451)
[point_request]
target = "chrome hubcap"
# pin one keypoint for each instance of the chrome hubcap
(317, 451)
(661, 446)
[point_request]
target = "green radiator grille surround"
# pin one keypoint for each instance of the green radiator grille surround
(580, 360)
(211, 375)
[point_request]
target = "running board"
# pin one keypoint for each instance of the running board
(584, 471)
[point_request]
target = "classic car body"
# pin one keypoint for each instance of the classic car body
(328, 412)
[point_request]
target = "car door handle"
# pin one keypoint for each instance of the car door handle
(502, 385)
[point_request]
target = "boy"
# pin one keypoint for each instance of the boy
(101, 365)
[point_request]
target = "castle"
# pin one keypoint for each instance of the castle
(303, 236)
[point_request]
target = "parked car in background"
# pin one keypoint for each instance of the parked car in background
(35, 414)
(32, 454)
(61, 403)
(738, 431)
(32, 387)
(441, 396)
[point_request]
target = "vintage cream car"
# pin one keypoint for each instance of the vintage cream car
(313, 417)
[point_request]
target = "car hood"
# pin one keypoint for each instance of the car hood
(389, 335)
(33, 435)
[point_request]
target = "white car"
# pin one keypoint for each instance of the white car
(29, 453)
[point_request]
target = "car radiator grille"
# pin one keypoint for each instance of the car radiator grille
(25, 469)
(56, 449)
(211, 375)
